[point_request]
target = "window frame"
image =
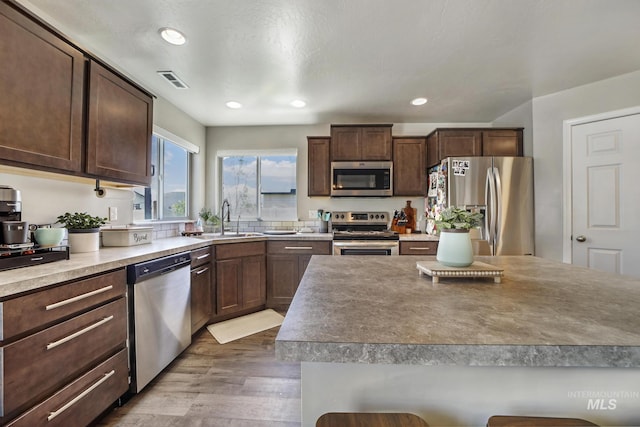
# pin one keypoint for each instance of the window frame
(163, 136)
(258, 154)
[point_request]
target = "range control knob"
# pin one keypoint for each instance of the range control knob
(382, 216)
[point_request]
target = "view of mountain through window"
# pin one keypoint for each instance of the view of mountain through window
(260, 186)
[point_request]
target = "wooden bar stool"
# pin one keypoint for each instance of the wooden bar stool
(368, 419)
(509, 421)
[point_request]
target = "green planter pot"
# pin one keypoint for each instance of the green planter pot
(454, 248)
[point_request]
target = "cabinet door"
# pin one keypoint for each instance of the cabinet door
(283, 279)
(502, 142)
(319, 166)
(375, 143)
(433, 155)
(345, 143)
(41, 101)
(254, 285)
(452, 143)
(120, 120)
(200, 296)
(409, 171)
(228, 286)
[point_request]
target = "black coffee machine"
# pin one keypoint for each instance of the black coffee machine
(10, 206)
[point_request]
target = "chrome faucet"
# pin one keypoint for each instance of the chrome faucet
(225, 202)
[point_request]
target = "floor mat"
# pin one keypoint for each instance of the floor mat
(240, 327)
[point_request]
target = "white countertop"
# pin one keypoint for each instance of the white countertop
(26, 279)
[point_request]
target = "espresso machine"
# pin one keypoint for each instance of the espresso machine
(11, 217)
(16, 246)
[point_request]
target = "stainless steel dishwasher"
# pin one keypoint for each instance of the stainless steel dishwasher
(159, 315)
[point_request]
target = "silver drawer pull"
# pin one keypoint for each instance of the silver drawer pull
(40, 258)
(80, 332)
(300, 248)
(199, 272)
(202, 256)
(73, 401)
(78, 298)
(420, 249)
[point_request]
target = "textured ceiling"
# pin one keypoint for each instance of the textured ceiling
(356, 60)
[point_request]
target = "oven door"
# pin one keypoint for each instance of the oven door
(365, 247)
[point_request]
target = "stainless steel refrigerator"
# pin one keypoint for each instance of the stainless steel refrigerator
(502, 189)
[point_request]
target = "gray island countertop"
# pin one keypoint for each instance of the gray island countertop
(360, 309)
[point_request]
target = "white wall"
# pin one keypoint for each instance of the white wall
(269, 137)
(549, 112)
(45, 196)
(521, 116)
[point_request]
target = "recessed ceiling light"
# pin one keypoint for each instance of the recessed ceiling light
(419, 101)
(233, 104)
(298, 103)
(173, 36)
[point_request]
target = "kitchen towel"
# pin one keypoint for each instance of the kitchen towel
(231, 330)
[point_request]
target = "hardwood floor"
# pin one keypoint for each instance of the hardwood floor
(238, 384)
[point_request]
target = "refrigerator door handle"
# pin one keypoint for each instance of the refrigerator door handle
(498, 203)
(492, 208)
(487, 203)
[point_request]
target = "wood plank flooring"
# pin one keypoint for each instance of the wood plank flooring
(238, 384)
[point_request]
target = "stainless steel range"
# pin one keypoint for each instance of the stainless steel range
(363, 233)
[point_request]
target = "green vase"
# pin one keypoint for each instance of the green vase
(454, 248)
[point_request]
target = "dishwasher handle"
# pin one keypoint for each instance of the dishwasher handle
(146, 270)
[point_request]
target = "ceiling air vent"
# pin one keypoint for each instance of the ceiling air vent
(171, 77)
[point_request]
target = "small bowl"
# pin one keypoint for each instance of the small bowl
(49, 236)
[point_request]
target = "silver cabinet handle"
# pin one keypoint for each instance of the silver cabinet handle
(581, 239)
(78, 298)
(202, 256)
(202, 270)
(420, 249)
(299, 248)
(77, 334)
(39, 258)
(70, 403)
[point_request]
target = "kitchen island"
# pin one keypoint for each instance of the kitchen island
(550, 340)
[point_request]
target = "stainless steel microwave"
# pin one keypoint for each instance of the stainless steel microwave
(361, 179)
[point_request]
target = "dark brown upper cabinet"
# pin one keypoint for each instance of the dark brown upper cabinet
(119, 126)
(49, 87)
(409, 170)
(361, 142)
(41, 101)
(459, 142)
(319, 166)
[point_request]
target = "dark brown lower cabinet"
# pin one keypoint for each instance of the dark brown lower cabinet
(202, 287)
(419, 247)
(240, 277)
(286, 264)
(68, 363)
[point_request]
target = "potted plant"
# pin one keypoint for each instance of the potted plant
(454, 247)
(83, 229)
(210, 219)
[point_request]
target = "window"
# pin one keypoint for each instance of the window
(260, 185)
(168, 196)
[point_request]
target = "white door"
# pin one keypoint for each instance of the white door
(606, 195)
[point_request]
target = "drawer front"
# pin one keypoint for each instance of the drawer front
(83, 400)
(419, 248)
(236, 250)
(200, 256)
(38, 365)
(299, 247)
(35, 311)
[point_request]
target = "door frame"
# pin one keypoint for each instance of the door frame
(567, 131)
